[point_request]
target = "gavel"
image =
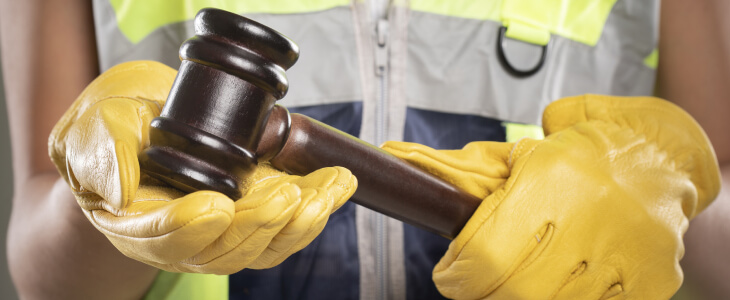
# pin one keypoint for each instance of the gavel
(221, 119)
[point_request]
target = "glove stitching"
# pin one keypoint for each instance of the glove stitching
(156, 102)
(124, 173)
(59, 132)
(543, 241)
(436, 171)
(255, 186)
(276, 219)
(322, 216)
(87, 199)
(530, 253)
(507, 187)
(347, 188)
(61, 156)
(264, 202)
(516, 149)
(210, 212)
(577, 271)
(74, 110)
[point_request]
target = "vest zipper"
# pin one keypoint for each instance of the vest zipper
(381, 72)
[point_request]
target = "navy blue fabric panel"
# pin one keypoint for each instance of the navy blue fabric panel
(441, 131)
(449, 131)
(326, 269)
(422, 250)
(343, 116)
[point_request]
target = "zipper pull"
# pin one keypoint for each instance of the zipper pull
(381, 52)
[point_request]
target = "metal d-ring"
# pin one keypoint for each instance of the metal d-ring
(510, 68)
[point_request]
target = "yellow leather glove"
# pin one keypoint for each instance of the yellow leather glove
(597, 210)
(95, 147)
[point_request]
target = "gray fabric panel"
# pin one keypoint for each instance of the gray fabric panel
(365, 41)
(395, 260)
(366, 220)
(327, 70)
(380, 239)
(114, 48)
(396, 119)
(366, 232)
(453, 65)
(398, 41)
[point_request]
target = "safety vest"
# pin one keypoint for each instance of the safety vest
(440, 73)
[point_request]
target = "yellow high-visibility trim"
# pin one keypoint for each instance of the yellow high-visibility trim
(515, 131)
(188, 286)
(652, 60)
(578, 20)
(527, 33)
(480, 10)
(138, 18)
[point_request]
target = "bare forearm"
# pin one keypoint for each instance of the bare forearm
(55, 253)
(48, 53)
(694, 66)
(707, 246)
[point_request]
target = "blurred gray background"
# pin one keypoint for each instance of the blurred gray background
(7, 291)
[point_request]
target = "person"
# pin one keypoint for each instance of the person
(427, 73)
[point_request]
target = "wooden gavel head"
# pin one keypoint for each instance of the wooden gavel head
(208, 133)
(220, 120)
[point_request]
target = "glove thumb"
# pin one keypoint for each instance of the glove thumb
(95, 144)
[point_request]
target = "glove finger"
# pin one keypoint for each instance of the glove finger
(562, 280)
(593, 281)
(306, 224)
(323, 191)
(493, 245)
(337, 182)
(159, 229)
(102, 148)
(259, 217)
(652, 273)
(556, 264)
(479, 168)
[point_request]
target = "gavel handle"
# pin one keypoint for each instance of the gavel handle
(386, 184)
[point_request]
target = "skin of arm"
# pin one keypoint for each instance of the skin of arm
(49, 56)
(694, 72)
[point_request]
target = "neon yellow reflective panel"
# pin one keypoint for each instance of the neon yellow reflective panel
(515, 131)
(188, 286)
(468, 9)
(527, 33)
(138, 18)
(578, 20)
(652, 60)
